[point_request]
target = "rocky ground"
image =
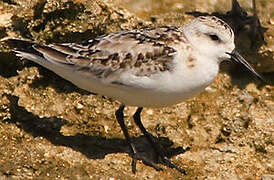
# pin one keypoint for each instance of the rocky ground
(50, 129)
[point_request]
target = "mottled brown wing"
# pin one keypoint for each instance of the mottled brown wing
(145, 51)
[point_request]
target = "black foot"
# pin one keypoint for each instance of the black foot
(161, 155)
(170, 164)
(145, 160)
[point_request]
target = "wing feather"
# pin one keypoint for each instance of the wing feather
(144, 52)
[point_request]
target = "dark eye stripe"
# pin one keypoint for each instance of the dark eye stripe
(214, 37)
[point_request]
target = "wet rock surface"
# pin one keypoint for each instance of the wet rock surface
(50, 129)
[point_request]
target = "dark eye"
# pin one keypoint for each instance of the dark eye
(214, 37)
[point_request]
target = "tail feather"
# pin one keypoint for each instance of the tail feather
(23, 46)
(26, 49)
(48, 57)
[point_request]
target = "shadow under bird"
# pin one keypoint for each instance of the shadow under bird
(152, 67)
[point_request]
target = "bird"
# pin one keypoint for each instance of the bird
(149, 67)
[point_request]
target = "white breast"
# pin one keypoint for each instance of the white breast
(162, 89)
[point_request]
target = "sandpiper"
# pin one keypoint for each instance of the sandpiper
(151, 67)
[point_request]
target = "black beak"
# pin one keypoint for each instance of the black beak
(239, 59)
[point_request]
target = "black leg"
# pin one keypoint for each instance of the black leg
(120, 118)
(156, 148)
